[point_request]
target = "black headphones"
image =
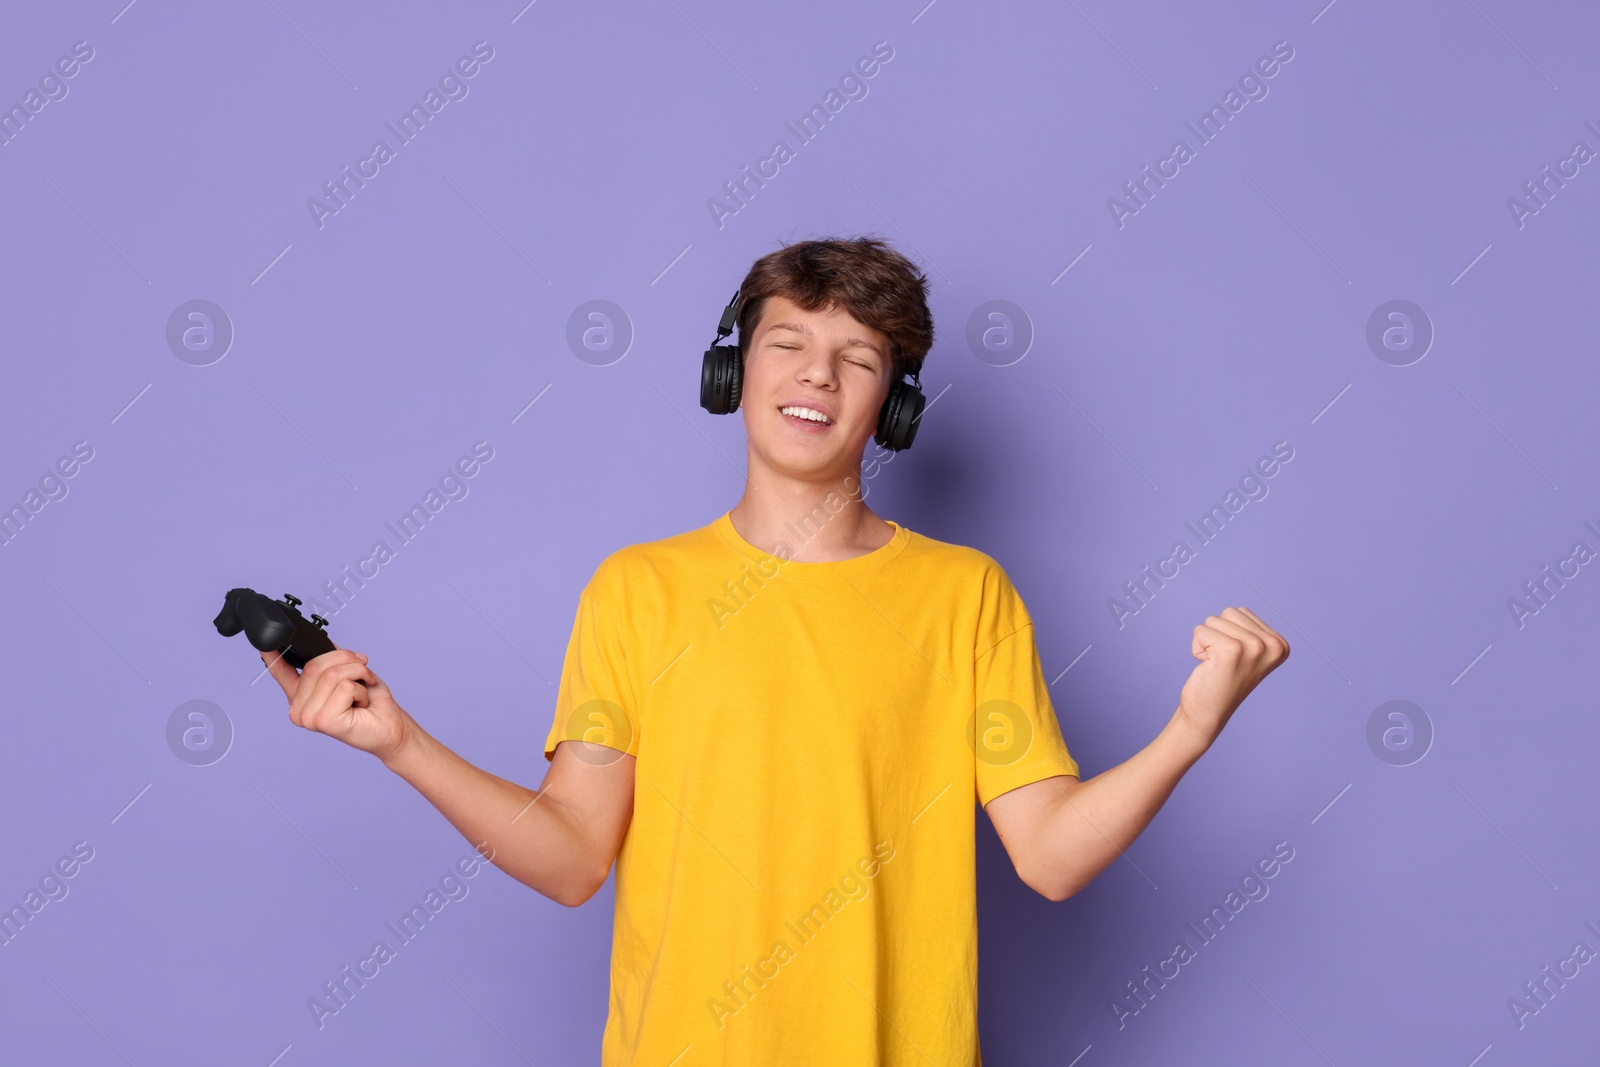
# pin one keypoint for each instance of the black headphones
(722, 373)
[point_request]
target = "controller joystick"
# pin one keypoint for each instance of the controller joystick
(274, 626)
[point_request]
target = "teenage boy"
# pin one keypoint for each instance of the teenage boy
(777, 725)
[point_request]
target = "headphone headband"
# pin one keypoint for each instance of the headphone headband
(730, 315)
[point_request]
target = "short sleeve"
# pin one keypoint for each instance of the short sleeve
(595, 701)
(1017, 739)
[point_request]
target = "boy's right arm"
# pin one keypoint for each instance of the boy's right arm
(560, 839)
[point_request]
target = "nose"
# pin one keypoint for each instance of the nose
(817, 369)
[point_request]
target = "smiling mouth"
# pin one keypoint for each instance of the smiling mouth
(809, 417)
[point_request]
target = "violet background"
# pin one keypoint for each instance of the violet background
(1228, 314)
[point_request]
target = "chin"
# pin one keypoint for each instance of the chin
(812, 468)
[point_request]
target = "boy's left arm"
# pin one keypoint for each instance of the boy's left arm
(1061, 832)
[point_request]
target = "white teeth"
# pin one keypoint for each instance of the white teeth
(806, 413)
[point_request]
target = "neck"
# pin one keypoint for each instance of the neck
(815, 521)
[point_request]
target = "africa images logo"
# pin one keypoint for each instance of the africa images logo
(1252, 86)
(405, 129)
(852, 86)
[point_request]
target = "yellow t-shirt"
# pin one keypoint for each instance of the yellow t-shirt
(797, 883)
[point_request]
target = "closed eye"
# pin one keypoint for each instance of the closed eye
(795, 348)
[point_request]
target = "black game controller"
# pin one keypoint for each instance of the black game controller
(274, 626)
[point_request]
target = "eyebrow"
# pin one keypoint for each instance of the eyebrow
(800, 327)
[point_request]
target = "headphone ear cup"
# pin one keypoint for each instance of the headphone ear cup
(900, 416)
(721, 372)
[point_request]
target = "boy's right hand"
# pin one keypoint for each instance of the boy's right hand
(327, 697)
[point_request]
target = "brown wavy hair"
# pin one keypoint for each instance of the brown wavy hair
(862, 276)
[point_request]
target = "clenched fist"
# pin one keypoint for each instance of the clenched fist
(328, 696)
(1236, 650)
